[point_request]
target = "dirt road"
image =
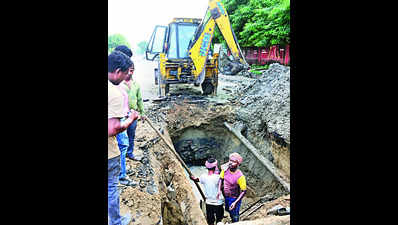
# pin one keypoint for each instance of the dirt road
(145, 76)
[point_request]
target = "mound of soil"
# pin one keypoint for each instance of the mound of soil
(266, 104)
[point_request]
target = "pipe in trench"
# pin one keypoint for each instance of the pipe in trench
(264, 161)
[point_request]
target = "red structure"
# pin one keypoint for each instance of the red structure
(262, 56)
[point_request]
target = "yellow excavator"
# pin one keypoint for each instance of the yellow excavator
(182, 51)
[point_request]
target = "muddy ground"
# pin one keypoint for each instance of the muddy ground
(258, 107)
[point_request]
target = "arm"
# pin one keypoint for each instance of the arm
(242, 193)
(242, 185)
(135, 98)
(140, 104)
(115, 126)
(220, 183)
(219, 188)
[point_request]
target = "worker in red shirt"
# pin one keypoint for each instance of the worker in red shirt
(234, 186)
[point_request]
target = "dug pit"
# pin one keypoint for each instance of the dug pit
(196, 144)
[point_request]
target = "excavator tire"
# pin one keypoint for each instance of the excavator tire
(167, 86)
(207, 87)
(159, 85)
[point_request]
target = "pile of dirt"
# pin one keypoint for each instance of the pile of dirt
(267, 102)
(262, 111)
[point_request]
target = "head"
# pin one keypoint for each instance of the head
(118, 66)
(211, 164)
(131, 71)
(126, 50)
(235, 160)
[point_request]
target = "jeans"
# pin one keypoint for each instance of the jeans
(235, 212)
(113, 194)
(123, 143)
(131, 136)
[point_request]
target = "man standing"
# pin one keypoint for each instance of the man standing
(210, 182)
(118, 65)
(122, 138)
(135, 102)
(234, 186)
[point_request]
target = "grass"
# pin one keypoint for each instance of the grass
(257, 69)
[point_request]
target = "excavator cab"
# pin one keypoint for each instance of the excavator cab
(173, 40)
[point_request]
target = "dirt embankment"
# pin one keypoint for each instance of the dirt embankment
(162, 194)
(267, 102)
(262, 113)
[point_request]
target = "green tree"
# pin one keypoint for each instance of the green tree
(270, 25)
(258, 23)
(141, 47)
(115, 40)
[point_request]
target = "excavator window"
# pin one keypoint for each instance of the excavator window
(179, 37)
(186, 32)
(156, 43)
(159, 40)
(172, 45)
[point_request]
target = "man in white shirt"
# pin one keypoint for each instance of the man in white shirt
(118, 65)
(214, 206)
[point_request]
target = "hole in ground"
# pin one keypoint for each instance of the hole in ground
(196, 144)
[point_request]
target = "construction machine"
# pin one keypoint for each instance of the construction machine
(182, 51)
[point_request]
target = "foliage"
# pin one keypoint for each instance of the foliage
(259, 23)
(256, 72)
(141, 47)
(115, 40)
(258, 69)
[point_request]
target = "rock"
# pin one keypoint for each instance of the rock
(141, 139)
(152, 189)
(130, 203)
(171, 194)
(279, 210)
(143, 183)
(144, 160)
(133, 183)
(138, 157)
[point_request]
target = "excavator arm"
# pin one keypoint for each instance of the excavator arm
(200, 44)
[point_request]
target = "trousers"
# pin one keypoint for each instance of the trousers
(123, 143)
(113, 194)
(235, 212)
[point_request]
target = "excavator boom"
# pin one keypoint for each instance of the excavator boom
(199, 47)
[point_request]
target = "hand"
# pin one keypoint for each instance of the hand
(133, 114)
(232, 206)
(218, 195)
(194, 178)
